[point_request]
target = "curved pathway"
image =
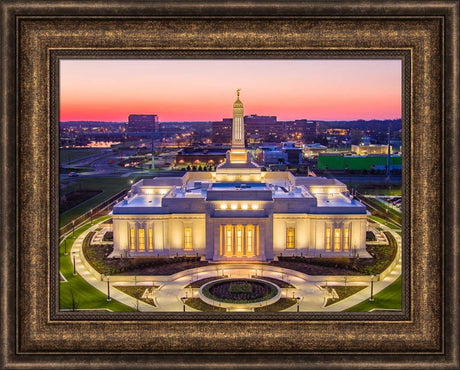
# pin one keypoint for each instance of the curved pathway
(168, 295)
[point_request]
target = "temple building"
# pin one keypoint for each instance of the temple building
(239, 213)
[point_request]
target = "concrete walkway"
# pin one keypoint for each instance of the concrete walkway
(168, 295)
(378, 286)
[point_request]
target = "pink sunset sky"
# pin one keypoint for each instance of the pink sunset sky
(204, 90)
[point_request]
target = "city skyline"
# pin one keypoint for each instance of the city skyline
(199, 90)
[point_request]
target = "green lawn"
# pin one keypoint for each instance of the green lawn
(71, 155)
(389, 192)
(109, 186)
(389, 224)
(343, 292)
(85, 296)
(383, 208)
(388, 298)
(280, 305)
(200, 305)
(137, 293)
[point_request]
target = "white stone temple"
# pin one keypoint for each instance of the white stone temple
(239, 213)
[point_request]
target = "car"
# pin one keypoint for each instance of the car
(397, 202)
(73, 174)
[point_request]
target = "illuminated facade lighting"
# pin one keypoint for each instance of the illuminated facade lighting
(278, 213)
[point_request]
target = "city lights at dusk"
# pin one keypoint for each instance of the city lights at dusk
(199, 90)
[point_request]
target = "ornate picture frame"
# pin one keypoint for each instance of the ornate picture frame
(423, 35)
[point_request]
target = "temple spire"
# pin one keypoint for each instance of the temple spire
(238, 123)
(238, 156)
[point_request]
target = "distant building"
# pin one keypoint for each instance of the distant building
(270, 155)
(366, 140)
(200, 156)
(370, 149)
(339, 162)
(260, 129)
(222, 131)
(301, 129)
(142, 125)
(287, 153)
(263, 128)
(294, 153)
(337, 131)
(314, 149)
(396, 144)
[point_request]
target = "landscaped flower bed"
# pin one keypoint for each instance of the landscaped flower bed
(240, 291)
(96, 255)
(382, 255)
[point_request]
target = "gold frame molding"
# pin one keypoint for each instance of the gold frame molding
(35, 34)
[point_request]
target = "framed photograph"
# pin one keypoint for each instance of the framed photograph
(208, 228)
(212, 210)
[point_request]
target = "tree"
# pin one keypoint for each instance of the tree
(75, 303)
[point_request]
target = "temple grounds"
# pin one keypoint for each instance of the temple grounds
(175, 292)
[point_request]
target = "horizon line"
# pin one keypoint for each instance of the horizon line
(313, 120)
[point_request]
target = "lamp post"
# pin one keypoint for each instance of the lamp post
(108, 288)
(91, 215)
(74, 265)
(73, 228)
(137, 299)
(65, 247)
(298, 303)
(183, 303)
(371, 299)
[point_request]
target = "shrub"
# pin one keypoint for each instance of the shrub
(240, 288)
(370, 236)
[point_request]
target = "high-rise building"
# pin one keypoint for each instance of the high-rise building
(301, 130)
(222, 131)
(257, 129)
(142, 125)
(263, 129)
(260, 129)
